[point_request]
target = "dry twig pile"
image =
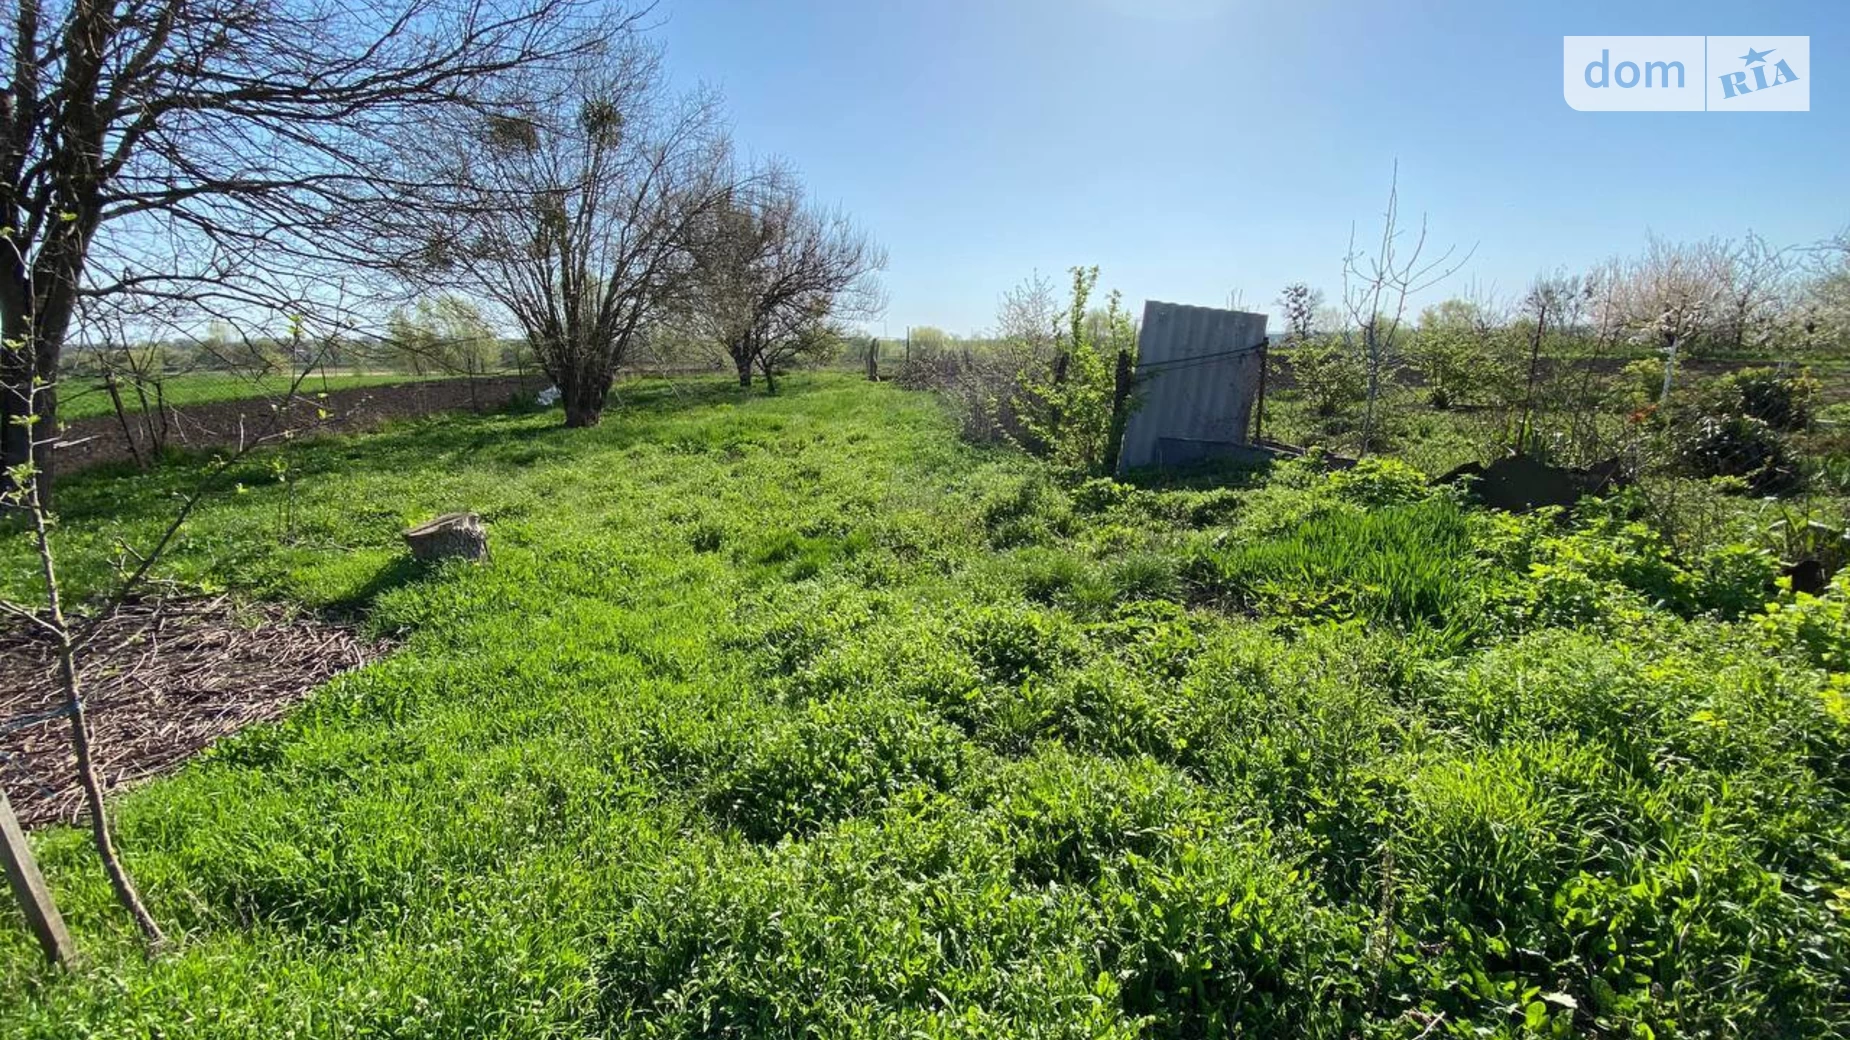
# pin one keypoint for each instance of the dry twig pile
(163, 679)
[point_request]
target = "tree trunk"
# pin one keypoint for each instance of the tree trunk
(450, 536)
(1535, 367)
(742, 359)
(93, 800)
(128, 431)
(1670, 371)
(15, 403)
(584, 398)
(20, 442)
(43, 335)
(16, 363)
(770, 381)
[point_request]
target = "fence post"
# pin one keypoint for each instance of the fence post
(1265, 348)
(1120, 407)
(22, 874)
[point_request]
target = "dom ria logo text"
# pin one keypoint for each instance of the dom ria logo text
(1686, 73)
(1735, 83)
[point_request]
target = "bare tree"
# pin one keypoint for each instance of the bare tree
(983, 376)
(1601, 329)
(1028, 320)
(1376, 287)
(1553, 305)
(224, 152)
(1300, 303)
(583, 214)
(134, 376)
(775, 274)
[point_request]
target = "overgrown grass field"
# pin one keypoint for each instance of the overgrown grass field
(794, 716)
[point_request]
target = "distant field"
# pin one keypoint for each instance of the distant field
(85, 398)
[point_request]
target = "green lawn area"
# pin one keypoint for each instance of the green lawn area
(794, 716)
(85, 398)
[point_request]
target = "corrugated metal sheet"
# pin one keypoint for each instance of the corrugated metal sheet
(1197, 377)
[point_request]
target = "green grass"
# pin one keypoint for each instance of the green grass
(86, 398)
(793, 716)
(1397, 563)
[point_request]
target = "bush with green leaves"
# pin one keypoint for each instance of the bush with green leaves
(1451, 353)
(1380, 481)
(1739, 446)
(1782, 400)
(1028, 510)
(1817, 626)
(1328, 373)
(1067, 409)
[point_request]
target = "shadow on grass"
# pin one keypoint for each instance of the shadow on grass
(1202, 476)
(397, 573)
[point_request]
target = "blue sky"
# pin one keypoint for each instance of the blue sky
(1193, 147)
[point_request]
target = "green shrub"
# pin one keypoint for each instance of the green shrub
(1782, 400)
(1103, 494)
(1816, 626)
(1328, 374)
(1735, 579)
(1049, 575)
(784, 634)
(1221, 937)
(908, 928)
(1157, 637)
(707, 537)
(1608, 569)
(1700, 941)
(1641, 382)
(1067, 816)
(1301, 731)
(1739, 446)
(1379, 481)
(1483, 840)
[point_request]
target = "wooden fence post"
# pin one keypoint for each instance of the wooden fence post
(22, 874)
(1259, 407)
(1121, 382)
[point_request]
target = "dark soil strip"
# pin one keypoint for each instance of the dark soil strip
(224, 424)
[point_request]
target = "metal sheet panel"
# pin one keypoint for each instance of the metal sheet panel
(1197, 377)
